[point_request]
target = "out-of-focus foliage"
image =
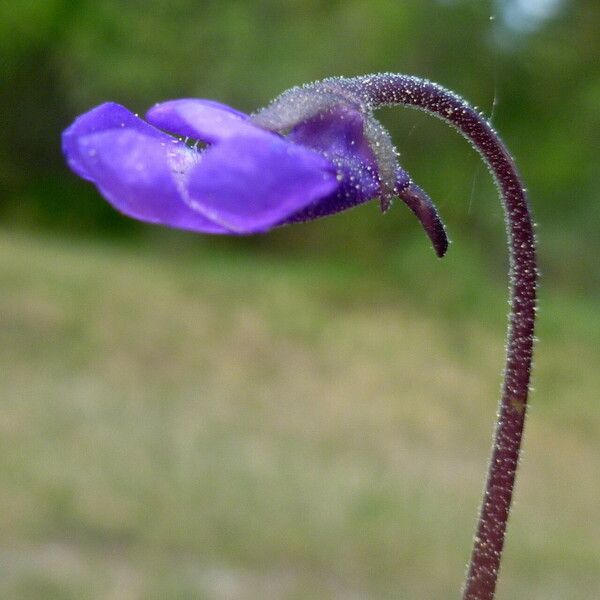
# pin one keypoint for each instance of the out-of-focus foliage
(224, 426)
(535, 62)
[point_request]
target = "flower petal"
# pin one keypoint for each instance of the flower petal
(357, 185)
(338, 133)
(143, 176)
(102, 118)
(249, 184)
(199, 119)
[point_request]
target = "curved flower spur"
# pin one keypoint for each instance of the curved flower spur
(314, 151)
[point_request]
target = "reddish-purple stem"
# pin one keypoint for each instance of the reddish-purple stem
(379, 90)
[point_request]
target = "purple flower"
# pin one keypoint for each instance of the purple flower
(307, 155)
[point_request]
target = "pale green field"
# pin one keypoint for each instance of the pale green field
(233, 428)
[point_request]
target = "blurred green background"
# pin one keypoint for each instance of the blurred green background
(304, 414)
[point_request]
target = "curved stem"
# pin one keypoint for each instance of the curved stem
(389, 89)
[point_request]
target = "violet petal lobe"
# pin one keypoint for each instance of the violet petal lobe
(143, 176)
(203, 120)
(251, 183)
(109, 115)
(338, 134)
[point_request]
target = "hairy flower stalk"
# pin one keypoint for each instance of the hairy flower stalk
(314, 151)
(383, 90)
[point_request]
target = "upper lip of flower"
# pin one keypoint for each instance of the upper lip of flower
(248, 180)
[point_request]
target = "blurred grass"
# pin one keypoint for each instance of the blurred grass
(239, 426)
